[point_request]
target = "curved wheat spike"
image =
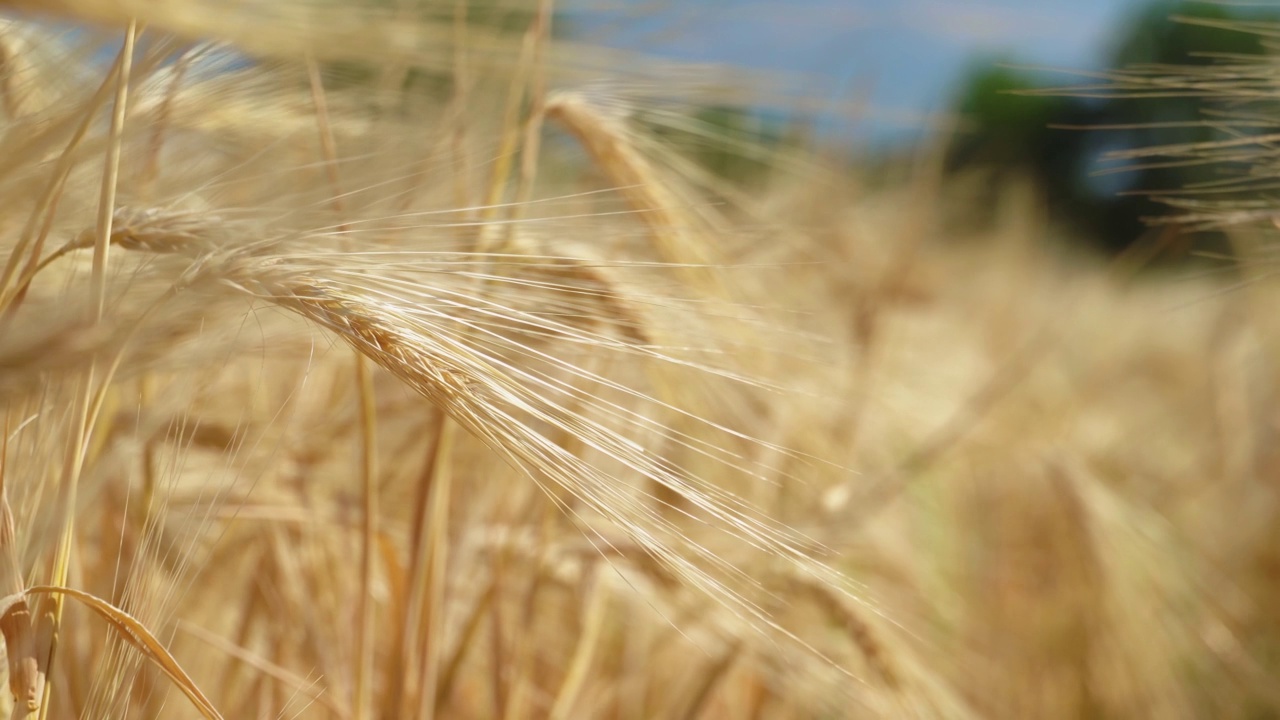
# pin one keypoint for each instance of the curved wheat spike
(493, 387)
(497, 365)
(676, 231)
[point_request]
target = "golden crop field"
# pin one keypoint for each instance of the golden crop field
(374, 360)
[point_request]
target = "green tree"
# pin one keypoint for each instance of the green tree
(1014, 123)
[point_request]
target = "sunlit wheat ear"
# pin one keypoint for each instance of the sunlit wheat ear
(45, 334)
(502, 354)
(675, 228)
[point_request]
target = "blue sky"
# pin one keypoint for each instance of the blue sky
(903, 55)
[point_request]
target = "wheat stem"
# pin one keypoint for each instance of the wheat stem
(111, 172)
(541, 31)
(436, 553)
(76, 451)
(365, 633)
(369, 490)
(529, 49)
(584, 654)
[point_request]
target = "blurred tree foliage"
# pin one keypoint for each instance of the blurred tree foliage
(1014, 126)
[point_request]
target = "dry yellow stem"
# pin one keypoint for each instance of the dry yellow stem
(16, 624)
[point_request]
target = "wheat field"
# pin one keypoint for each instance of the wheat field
(372, 360)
